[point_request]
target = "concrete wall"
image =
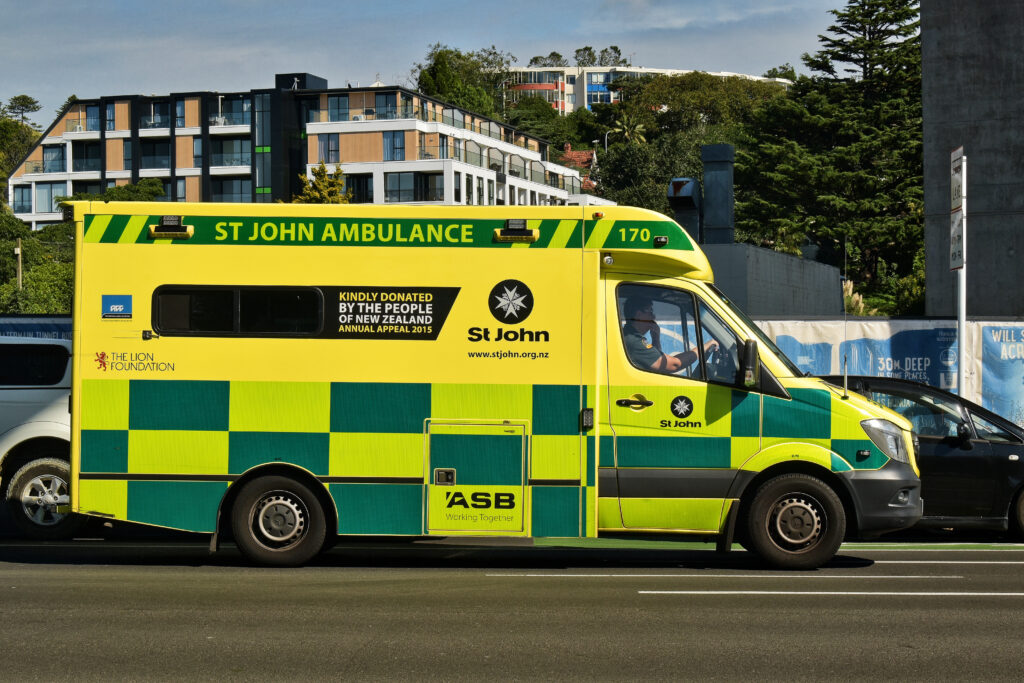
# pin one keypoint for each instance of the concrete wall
(973, 95)
(765, 283)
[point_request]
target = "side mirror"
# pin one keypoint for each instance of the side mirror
(751, 364)
(963, 433)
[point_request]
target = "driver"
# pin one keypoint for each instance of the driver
(639, 315)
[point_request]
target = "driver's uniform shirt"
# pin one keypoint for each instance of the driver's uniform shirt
(640, 351)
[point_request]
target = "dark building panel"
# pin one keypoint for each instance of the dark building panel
(973, 95)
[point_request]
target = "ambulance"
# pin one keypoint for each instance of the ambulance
(285, 375)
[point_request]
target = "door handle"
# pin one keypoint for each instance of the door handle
(634, 402)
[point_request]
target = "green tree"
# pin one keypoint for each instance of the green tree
(553, 59)
(72, 98)
(628, 127)
(838, 163)
(323, 188)
(611, 56)
(146, 190)
(585, 56)
(16, 141)
(46, 288)
(784, 71)
(20, 106)
(470, 80)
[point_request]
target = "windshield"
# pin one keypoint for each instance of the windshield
(762, 338)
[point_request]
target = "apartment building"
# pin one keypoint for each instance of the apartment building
(568, 88)
(392, 144)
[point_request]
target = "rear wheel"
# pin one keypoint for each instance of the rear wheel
(38, 499)
(278, 521)
(795, 522)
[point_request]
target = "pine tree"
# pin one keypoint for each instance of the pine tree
(323, 188)
(837, 165)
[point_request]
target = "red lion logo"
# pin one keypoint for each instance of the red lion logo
(101, 360)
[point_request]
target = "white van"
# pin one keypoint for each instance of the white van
(35, 381)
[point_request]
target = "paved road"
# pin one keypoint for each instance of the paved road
(91, 610)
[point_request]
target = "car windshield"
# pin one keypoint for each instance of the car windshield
(930, 414)
(762, 338)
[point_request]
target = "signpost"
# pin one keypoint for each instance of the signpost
(958, 252)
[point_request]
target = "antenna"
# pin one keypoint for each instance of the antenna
(846, 337)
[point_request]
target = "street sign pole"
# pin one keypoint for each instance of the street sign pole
(958, 255)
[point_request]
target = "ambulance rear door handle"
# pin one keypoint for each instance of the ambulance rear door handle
(634, 403)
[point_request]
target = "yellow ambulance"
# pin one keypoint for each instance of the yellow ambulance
(283, 374)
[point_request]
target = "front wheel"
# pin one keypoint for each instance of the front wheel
(278, 521)
(795, 522)
(38, 500)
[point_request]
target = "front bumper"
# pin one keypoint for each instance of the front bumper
(886, 499)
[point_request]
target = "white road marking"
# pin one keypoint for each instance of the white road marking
(882, 593)
(716, 576)
(948, 562)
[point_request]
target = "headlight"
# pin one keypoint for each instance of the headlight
(888, 437)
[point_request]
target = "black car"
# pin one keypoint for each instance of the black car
(972, 472)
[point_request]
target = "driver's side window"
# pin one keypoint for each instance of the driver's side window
(662, 332)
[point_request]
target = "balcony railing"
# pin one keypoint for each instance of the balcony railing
(155, 162)
(22, 206)
(81, 125)
(78, 165)
(229, 118)
(155, 121)
(231, 159)
(434, 152)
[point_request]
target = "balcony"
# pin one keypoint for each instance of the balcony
(82, 125)
(80, 165)
(156, 121)
(433, 152)
(49, 166)
(22, 206)
(229, 118)
(244, 159)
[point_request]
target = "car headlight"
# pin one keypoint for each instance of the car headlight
(888, 437)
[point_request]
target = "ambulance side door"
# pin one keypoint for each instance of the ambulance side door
(676, 440)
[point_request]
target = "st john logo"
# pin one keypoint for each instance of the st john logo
(681, 406)
(511, 301)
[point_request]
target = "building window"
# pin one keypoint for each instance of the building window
(22, 199)
(157, 116)
(490, 192)
(111, 116)
(92, 117)
(233, 111)
(46, 196)
(179, 113)
(85, 156)
(231, 189)
(230, 151)
(387, 106)
(469, 189)
(197, 152)
(155, 154)
(398, 187)
(166, 197)
(179, 195)
(86, 187)
(480, 191)
(457, 189)
(337, 107)
(330, 149)
(457, 149)
(127, 155)
(394, 145)
(54, 159)
(360, 187)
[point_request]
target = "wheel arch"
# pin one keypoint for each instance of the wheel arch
(796, 466)
(304, 476)
(34, 448)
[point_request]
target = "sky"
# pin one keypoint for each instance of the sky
(51, 49)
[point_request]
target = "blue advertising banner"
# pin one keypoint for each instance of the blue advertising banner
(1002, 370)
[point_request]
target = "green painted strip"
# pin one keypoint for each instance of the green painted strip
(167, 404)
(136, 224)
(116, 228)
(97, 226)
(104, 450)
(188, 505)
(599, 233)
(374, 407)
(389, 509)
(556, 511)
(682, 452)
(251, 449)
(478, 459)
(556, 409)
(808, 415)
(849, 450)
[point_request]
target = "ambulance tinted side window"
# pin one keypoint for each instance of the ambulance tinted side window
(237, 311)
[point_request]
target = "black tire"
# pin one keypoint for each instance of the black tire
(277, 521)
(796, 521)
(32, 498)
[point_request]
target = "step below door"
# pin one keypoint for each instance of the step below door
(476, 478)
